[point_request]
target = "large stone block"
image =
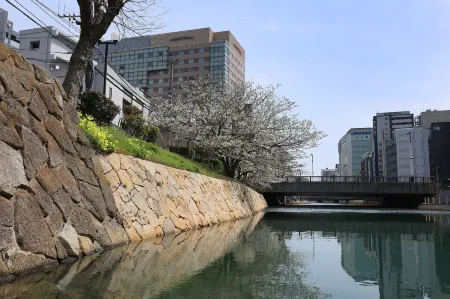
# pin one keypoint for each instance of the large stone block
(8, 134)
(44, 200)
(11, 82)
(56, 129)
(70, 120)
(114, 160)
(95, 196)
(32, 232)
(21, 262)
(86, 245)
(68, 182)
(115, 231)
(7, 238)
(63, 201)
(83, 222)
(55, 221)
(104, 186)
(6, 212)
(48, 181)
(12, 172)
(42, 75)
(54, 152)
(69, 239)
(79, 170)
(34, 153)
(37, 106)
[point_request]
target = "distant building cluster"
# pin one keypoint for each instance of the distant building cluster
(398, 147)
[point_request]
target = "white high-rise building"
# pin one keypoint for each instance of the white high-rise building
(384, 125)
(413, 158)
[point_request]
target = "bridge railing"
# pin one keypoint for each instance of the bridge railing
(381, 179)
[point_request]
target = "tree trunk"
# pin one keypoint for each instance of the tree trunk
(77, 66)
(230, 166)
(89, 75)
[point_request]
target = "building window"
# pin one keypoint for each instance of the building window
(191, 60)
(180, 79)
(160, 90)
(201, 59)
(150, 64)
(191, 69)
(181, 52)
(151, 81)
(122, 67)
(125, 104)
(110, 93)
(160, 53)
(160, 80)
(35, 45)
(201, 50)
(192, 51)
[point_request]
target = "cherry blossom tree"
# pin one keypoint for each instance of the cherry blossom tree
(254, 132)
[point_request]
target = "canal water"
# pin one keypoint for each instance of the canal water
(284, 253)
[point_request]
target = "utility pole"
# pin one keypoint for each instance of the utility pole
(114, 39)
(312, 165)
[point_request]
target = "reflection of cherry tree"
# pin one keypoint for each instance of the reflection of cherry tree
(252, 130)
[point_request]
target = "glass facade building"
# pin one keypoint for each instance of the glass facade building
(352, 147)
(218, 62)
(134, 65)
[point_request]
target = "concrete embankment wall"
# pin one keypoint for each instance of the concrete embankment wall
(59, 201)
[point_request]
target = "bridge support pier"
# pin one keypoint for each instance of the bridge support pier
(274, 199)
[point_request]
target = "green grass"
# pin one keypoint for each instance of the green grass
(118, 141)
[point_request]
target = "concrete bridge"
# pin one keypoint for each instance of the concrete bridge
(397, 191)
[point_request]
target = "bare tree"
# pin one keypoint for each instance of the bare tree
(248, 127)
(131, 17)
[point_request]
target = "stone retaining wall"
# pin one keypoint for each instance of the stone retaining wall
(153, 199)
(59, 201)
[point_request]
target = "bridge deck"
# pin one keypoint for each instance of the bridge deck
(355, 188)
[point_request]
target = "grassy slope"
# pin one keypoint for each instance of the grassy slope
(151, 152)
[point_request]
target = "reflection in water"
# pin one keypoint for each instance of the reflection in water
(135, 271)
(405, 255)
(287, 254)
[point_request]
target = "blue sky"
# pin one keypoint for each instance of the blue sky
(341, 61)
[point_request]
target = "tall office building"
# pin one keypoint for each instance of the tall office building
(8, 36)
(384, 125)
(352, 146)
(412, 152)
(427, 118)
(146, 61)
(440, 149)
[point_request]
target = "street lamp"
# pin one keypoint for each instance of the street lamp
(312, 166)
(114, 39)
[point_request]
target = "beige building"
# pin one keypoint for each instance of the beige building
(195, 54)
(146, 62)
